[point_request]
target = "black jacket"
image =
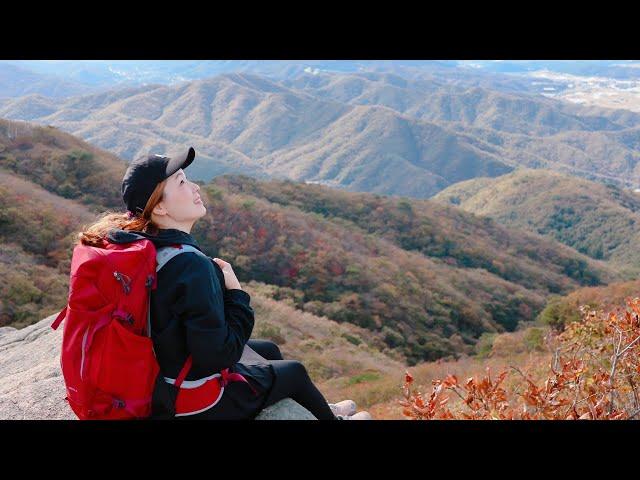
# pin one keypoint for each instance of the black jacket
(192, 312)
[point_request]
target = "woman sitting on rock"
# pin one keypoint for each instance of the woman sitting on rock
(200, 309)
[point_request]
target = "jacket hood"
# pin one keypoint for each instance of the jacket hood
(165, 237)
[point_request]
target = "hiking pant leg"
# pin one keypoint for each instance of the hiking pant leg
(265, 348)
(292, 380)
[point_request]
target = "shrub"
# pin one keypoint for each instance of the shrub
(534, 339)
(392, 338)
(594, 375)
(352, 339)
(271, 332)
(363, 377)
(558, 313)
(485, 344)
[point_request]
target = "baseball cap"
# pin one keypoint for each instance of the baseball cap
(145, 173)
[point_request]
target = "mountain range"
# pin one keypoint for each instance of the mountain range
(426, 279)
(371, 131)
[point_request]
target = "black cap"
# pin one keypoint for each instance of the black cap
(144, 175)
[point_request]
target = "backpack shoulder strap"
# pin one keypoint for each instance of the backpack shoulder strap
(164, 254)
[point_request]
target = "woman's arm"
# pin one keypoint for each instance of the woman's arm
(238, 311)
(236, 300)
(217, 323)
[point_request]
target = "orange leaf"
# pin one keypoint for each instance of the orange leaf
(450, 381)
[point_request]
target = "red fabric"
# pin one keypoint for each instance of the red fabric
(234, 377)
(107, 361)
(192, 400)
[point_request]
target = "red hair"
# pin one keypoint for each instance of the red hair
(96, 233)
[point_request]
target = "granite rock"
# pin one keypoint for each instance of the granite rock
(32, 386)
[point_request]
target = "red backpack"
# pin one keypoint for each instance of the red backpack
(107, 358)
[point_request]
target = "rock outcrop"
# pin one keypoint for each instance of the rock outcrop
(32, 386)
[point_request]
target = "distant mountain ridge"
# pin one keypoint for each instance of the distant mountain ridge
(16, 81)
(367, 131)
(470, 105)
(251, 125)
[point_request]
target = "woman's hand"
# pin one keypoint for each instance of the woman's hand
(230, 279)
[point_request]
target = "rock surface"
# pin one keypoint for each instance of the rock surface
(32, 386)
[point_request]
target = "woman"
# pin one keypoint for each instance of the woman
(199, 307)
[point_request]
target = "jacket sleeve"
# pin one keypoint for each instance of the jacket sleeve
(217, 324)
(237, 302)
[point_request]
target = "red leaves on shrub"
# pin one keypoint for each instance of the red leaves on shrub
(595, 374)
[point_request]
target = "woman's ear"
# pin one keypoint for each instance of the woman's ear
(159, 209)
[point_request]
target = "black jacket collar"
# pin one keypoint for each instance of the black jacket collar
(165, 237)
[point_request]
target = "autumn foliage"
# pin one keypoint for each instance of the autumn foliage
(594, 374)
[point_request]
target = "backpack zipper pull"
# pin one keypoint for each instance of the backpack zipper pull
(122, 278)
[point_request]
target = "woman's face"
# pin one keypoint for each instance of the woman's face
(181, 203)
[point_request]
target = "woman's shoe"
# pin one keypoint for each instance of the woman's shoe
(361, 416)
(345, 408)
(356, 416)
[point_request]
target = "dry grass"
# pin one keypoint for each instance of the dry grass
(344, 360)
(364, 373)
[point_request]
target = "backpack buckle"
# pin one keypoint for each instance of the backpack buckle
(124, 316)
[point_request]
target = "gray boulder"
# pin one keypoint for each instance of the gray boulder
(286, 409)
(32, 386)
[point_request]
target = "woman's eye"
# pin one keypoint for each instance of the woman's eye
(181, 182)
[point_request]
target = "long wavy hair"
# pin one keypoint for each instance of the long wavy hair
(96, 233)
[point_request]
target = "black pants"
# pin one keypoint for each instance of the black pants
(292, 380)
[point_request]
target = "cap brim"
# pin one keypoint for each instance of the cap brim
(180, 161)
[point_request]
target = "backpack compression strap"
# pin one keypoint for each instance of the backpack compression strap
(56, 323)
